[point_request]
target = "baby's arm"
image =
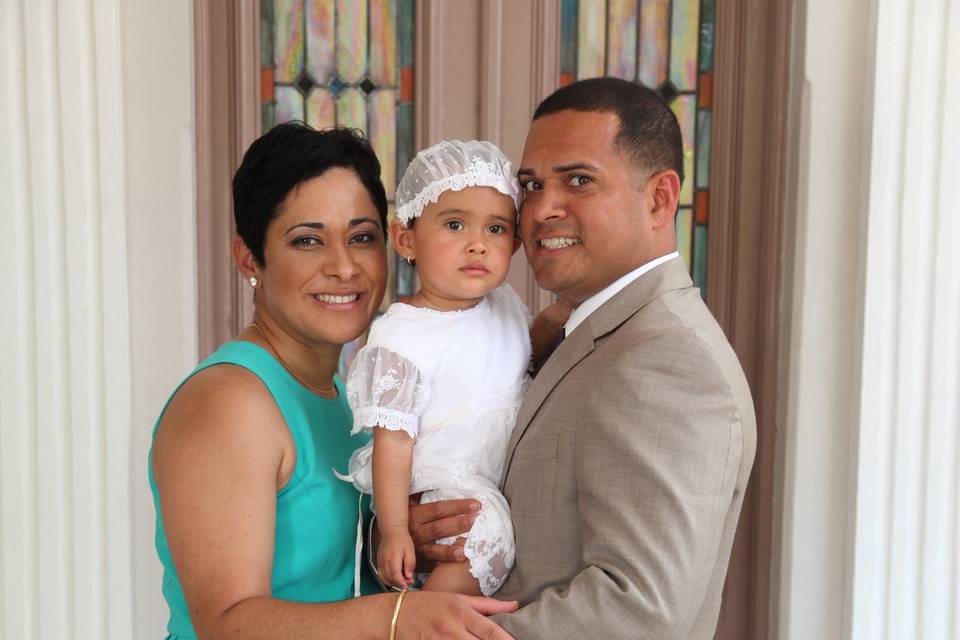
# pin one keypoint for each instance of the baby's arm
(392, 459)
(546, 329)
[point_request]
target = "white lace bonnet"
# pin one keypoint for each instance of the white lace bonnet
(452, 165)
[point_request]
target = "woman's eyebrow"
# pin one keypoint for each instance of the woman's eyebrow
(309, 225)
(319, 225)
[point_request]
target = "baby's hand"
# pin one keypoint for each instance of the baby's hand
(396, 558)
(556, 315)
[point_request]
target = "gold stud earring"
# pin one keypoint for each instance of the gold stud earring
(253, 281)
(409, 260)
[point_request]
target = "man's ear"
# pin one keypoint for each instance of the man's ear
(244, 259)
(663, 191)
(403, 240)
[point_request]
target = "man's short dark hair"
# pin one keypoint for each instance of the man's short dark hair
(649, 132)
(288, 155)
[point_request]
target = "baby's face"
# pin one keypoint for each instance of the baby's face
(463, 243)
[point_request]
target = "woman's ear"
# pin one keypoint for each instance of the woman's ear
(664, 194)
(244, 259)
(403, 240)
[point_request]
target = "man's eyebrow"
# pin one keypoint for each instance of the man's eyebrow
(561, 168)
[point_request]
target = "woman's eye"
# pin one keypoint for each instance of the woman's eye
(455, 225)
(306, 241)
(579, 181)
(530, 185)
(363, 238)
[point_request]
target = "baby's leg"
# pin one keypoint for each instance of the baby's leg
(453, 577)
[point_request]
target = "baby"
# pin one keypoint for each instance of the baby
(441, 376)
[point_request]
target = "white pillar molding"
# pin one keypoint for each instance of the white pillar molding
(907, 536)
(65, 371)
(99, 304)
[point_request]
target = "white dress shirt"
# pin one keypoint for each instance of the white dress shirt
(593, 303)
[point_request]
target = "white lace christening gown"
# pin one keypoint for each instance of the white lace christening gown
(453, 381)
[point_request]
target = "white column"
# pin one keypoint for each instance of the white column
(98, 321)
(905, 579)
(65, 402)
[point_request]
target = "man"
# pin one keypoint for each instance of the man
(631, 453)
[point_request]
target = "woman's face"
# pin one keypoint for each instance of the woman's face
(325, 264)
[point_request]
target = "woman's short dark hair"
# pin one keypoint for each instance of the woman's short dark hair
(649, 132)
(288, 155)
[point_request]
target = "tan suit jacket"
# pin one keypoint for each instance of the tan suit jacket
(626, 471)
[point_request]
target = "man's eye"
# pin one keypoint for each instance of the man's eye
(579, 181)
(530, 185)
(455, 225)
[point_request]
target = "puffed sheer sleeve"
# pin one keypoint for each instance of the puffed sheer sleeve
(386, 390)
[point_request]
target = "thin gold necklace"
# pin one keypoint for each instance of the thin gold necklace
(328, 393)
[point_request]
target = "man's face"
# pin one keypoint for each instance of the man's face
(585, 217)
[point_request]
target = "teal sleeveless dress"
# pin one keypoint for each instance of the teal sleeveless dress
(316, 530)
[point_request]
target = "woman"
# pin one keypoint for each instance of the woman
(255, 532)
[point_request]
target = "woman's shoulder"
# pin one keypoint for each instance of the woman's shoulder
(218, 403)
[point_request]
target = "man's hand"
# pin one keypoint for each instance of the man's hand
(435, 520)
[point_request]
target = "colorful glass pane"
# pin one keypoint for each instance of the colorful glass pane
(591, 38)
(321, 113)
(622, 39)
(405, 43)
(289, 104)
(287, 39)
(382, 119)
(351, 110)
(704, 120)
(383, 42)
(684, 37)
(674, 46)
(685, 109)
(654, 42)
(568, 39)
(685, 235)
(351, 40)
(321, 59)
(699, 270)
(707, 22)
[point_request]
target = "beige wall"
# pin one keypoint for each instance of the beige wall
(158, 117)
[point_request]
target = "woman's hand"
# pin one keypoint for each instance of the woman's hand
(396, 559)
(426, 615)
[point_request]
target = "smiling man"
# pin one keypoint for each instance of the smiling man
(631, 453)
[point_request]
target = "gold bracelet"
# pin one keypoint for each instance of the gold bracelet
(396, 614)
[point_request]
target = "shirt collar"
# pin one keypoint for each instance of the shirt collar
(594, 302)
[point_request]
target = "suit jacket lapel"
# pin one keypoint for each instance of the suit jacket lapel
(669, 276)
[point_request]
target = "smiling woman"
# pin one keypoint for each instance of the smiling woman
(255, 531)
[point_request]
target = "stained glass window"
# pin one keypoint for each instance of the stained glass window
(666, 45)
(346, 63)
(342, 63)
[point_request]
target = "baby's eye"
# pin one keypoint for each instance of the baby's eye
(579, 181)
(498, 228)
(530, 185)
(455, 225)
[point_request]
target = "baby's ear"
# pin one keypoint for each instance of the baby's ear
(402, 238)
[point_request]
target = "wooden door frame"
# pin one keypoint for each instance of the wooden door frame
(747, 208)
(748, 175)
